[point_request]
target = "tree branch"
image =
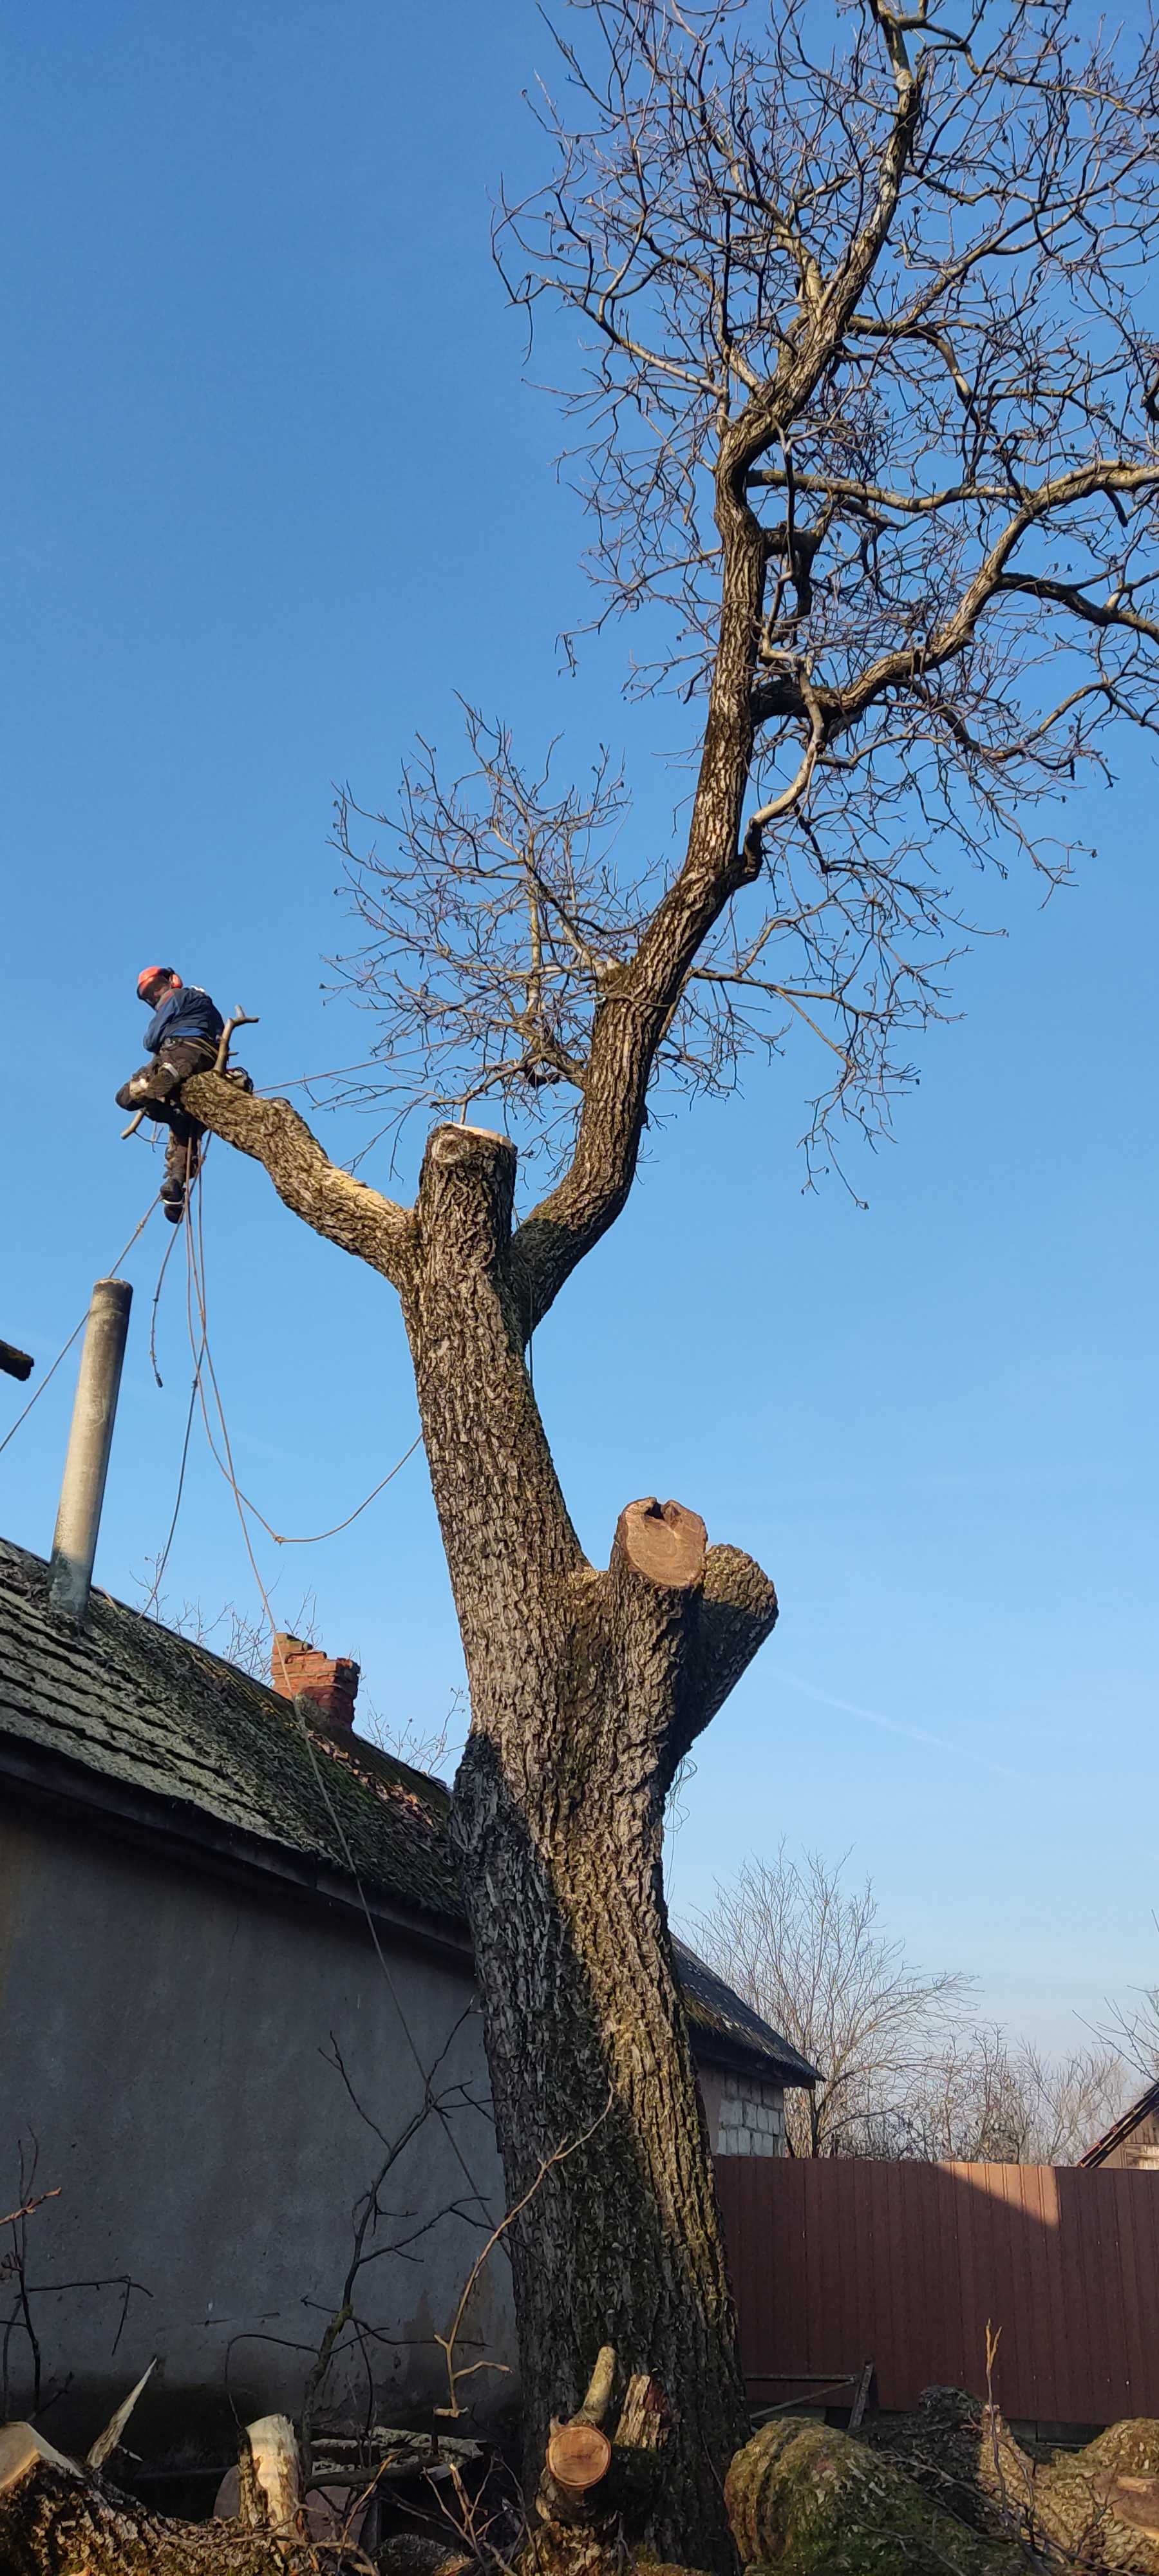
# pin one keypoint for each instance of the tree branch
(358, 1219)
(738, 1610)
(686, 1621)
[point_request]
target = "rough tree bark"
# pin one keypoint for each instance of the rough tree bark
(587, 1688)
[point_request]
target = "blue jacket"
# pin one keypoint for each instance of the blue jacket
(188, 1013)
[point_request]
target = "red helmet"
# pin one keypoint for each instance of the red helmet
(149, 975)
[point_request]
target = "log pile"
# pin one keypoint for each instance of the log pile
(58, 2518)
(1098, 2506)
(944, 2492)
(812, 2501)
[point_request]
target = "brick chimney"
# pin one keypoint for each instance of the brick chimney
(299, 1671)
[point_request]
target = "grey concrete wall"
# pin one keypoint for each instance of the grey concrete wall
(162, 2035)
(746, 2117)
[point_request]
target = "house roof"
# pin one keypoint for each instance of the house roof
(1122, 2127)
(127, 1703)
(717, 2011)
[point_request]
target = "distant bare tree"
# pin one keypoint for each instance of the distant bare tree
(854, 306)
(1133, 2028)
(244, 1641)
(809, 1954)
(991, 2099)
(423, 1748)
(904, 2075)
(234, 1634)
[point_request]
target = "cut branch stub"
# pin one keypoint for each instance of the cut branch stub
(653, 1588)
(270, 2477)
(600, 2385)
(738, 1611)
(663, 1543)
(467, 1193)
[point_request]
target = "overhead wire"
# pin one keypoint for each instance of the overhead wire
(78, 1329)
(162, 1561)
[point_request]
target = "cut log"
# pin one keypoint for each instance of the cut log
(578, 2456)
(1099, 2504)
(56, 2519)
(591, 2480)
(808, 2497)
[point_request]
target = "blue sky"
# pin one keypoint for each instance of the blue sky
(272, 491)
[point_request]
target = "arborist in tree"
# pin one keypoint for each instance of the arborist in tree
(182, 1038)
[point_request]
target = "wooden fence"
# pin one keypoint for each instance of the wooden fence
(836, 2262)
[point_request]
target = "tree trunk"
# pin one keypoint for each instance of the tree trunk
(586, 1690)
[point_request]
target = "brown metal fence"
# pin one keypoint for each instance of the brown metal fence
(836, 2262)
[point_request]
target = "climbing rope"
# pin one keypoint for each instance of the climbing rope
(62, 1354)
(196, 1290)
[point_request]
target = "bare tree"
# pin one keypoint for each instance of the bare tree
(1132, 2029)
(990, 2099)
(903, 2073)
(809, 1954)
(235, 1634)
(864, 407)
(244, 1641)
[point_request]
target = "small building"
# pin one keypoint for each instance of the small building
(1133, 2140)
(232, 1956)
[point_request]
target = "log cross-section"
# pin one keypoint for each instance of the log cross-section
(599, 2481)
(578, 2456)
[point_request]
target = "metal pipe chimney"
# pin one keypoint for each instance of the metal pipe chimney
(74, 1543)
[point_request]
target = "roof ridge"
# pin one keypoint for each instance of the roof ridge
(1122, 2127)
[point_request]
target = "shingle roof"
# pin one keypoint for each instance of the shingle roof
(129, 1700)
(714, 2007)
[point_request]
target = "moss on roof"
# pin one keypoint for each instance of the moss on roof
(128, 1697)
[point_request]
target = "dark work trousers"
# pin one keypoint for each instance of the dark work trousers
(152, 1089)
